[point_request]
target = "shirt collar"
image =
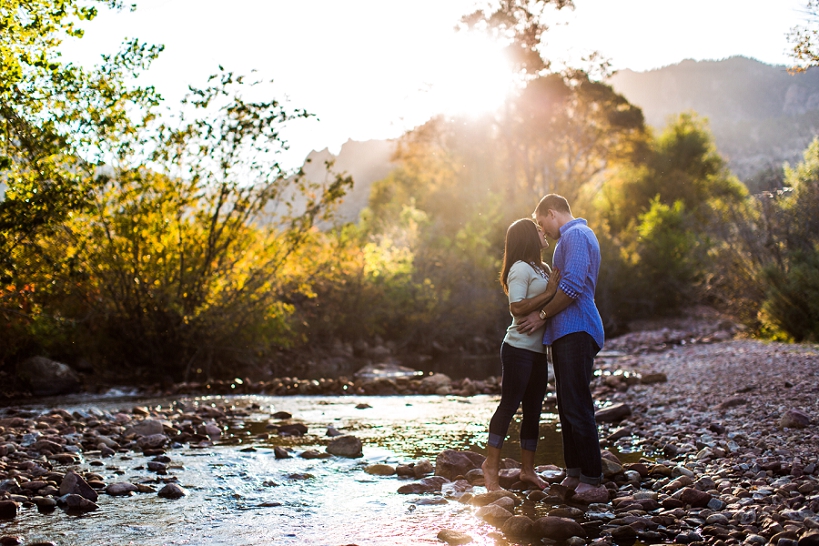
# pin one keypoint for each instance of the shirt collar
(571, 224)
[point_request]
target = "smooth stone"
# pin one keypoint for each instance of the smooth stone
(558, 528)
(422, 468)
(518, 526)
(613, 413)
(493, 514)
(453, 537)
(451, 463)
(314, 454)
(380, 469)
(120, 489)
(8, 509)
(148, 427)
(489, 497)
(75, 484)
(695, 497)
(76, 502)
(794, 418)
(281, 453)
(346, 446)
(811, 538)
(281, 415)
(172, 491)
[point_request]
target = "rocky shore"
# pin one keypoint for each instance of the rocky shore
(727, 429)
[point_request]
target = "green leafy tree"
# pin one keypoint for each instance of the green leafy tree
(804, 39)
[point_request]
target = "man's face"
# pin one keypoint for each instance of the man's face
(548, 223)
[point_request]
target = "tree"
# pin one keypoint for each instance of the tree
(805, 39)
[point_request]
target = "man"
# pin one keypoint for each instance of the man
(574, 330)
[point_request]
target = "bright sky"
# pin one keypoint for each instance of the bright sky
(374, 68)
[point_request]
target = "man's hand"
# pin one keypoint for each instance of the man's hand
(530, 323)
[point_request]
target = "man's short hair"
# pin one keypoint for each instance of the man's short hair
(554, 202)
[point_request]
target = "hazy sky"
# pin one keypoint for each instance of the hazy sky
(373, 68)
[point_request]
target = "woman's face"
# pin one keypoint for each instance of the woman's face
(542, 236)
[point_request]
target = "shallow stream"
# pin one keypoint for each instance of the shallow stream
(240, 494)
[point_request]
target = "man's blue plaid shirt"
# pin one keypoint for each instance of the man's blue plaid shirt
(577, 256)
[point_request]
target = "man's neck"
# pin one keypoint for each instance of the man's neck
(563, 219)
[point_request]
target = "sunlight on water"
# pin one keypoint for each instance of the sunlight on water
(241, 494)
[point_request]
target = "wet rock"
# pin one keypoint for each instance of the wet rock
(282, 415)
(46, 377)
(811, 538)
(493, 514)
(451, 463)
(794, 418)
(8, 509)
(281, 453)
(346, 446)
(432, 484)
(74, 484)
(153, 441)
(507, 503)
(559, 529)
(613, 413)
(44, 504)
(314, 454)
(363, 405)
(76, 503)
(422, 468)
(332, 432)
(121, 489)
(610, 468)
(293, 429)
(694, 497)
(453, 537)
(380, 469)
(10, 541)
(433, 383)
(518, 527)
(430, 501)
(489, 497)
(148, 427)
(172, 491)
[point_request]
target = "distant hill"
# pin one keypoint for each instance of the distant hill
(366, 162)
(760, 115)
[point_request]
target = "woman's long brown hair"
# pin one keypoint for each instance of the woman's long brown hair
(522, 243)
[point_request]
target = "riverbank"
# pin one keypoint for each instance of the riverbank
(709, 439)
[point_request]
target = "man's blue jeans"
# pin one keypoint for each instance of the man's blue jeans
(573, 358)
(525, 378)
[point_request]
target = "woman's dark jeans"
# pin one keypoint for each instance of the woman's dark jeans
(525, 377)
(573, 358)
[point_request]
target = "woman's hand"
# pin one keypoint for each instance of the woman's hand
(554, 281)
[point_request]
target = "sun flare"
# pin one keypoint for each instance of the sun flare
(479, 78)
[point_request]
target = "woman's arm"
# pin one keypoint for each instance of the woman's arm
(526, 306)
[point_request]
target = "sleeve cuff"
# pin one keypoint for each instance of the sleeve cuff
(568, 290)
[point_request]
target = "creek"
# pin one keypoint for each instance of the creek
(240, 494)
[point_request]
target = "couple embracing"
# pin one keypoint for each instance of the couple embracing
(551, 310)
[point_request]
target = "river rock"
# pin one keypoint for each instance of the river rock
(811, 538)
(8, 540)
(46, 377)
(380, 469)
(281, 453)
(794, 418)
(172, 491)
(154, 441)
(489, 497)
(694, 497)
(451, 463)
(292, 429)
(422, 468)
(8, 509)
(453, 537)
(559, 529)
(345, 446)
(613, 413)
(610, 468)
(74, 484)
(651, 378)
(121, 489)
(518, 527)
(493, 514)
(77, 503)
(432, 383)
(148, 427)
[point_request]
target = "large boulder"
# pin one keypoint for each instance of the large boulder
(451, 463)
(46, 377)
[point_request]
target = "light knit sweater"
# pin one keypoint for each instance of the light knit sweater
(525, 282)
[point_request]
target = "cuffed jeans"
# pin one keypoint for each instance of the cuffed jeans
(573, 358)
(525, 378)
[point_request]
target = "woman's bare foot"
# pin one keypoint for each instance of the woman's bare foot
(490, 476)
(570, 482)
(530, 476)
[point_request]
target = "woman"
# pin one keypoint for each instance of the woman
(527, 282)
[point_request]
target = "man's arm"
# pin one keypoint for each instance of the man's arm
(533, 321)
(536, 303)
